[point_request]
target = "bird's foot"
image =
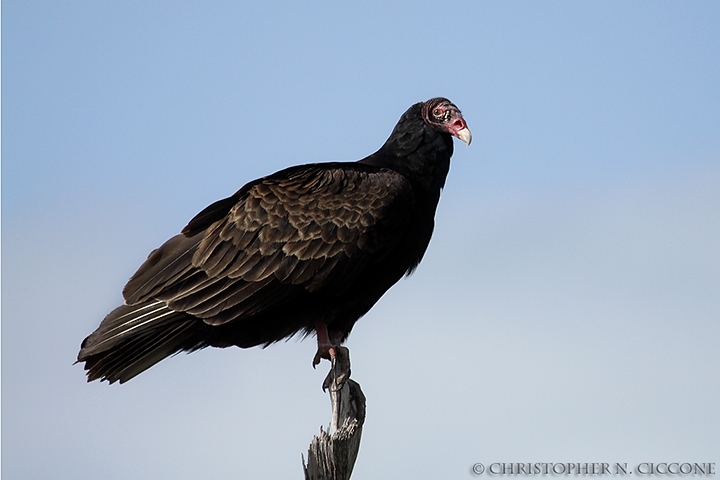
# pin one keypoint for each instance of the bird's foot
(326, 351)
(330, 349)
(326, 346)
(340, 371)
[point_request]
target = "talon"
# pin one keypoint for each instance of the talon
(326, 351)
(340, 370)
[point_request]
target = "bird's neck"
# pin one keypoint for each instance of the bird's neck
(422, 155)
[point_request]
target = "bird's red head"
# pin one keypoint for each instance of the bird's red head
(441, 114)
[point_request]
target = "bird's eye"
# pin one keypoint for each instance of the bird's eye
(437, 112)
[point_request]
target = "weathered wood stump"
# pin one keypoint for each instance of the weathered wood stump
(332, 455)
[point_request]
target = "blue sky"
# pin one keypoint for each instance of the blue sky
(568, 306)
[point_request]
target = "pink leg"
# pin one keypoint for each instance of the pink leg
(326, 349)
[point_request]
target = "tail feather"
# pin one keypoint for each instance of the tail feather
(133, 338)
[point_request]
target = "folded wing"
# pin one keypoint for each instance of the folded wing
(306, 229)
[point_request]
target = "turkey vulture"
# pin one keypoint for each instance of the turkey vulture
(310, 248)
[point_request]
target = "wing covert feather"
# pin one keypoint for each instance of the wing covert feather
(307, 228)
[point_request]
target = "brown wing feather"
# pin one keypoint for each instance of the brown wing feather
(312, 228)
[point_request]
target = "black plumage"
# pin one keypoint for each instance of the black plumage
(311, 247)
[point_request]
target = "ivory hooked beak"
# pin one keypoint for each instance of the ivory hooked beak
(464, 135)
